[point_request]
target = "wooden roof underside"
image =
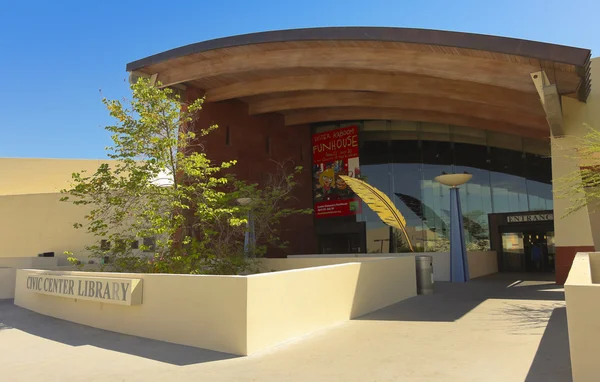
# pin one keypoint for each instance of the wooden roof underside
(328, 80)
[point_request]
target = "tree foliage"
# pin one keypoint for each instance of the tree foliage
(163, 205)
(581, 186)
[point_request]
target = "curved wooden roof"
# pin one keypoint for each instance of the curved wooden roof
(326, 74)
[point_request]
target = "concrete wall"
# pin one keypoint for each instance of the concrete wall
(22, 176)
(7, 282)
(9, 266)
(284, 305)
(38, 223)
(236, 314)
(33, 220)
(582, 296)
(309, 261)
(580, 231)
(203, 311)
(29, 262)
(595, 267)
(480, 263)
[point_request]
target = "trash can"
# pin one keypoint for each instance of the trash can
(424, 274)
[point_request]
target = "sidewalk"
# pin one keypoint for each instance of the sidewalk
(498, 328)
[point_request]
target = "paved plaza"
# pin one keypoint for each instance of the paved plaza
(504, 327)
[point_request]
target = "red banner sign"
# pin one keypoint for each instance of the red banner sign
(335, 153)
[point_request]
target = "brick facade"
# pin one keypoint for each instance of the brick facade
(256, 142)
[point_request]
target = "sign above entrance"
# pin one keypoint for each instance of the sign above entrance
(101, 289)
(335, 153)
(530, 218)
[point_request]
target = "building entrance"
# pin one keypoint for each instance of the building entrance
(524, 242)
(528, 251)
(339, 243)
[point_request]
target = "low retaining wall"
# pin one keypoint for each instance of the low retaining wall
(8, 271)
(202, 311)
(233, 314)
(481, 263)
(582, 295)
(7, 283)
(29, 262)
(284, 305)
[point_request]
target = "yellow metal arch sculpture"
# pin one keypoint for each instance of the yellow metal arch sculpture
(379, 203)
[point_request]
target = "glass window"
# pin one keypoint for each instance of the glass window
(375, 170)
(404, 130)
(402, 159)
(434, 132)
(437, 157)
(504, 141)
(539, 182)
(470, 135)
(536, 146)
(406, 170)
(476, 201)
(509, 189)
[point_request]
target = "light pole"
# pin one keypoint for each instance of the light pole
(459, 265)
(249, 235)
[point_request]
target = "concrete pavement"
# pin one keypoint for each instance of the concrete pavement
(498, 328)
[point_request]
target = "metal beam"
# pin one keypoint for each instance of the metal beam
(551, 102)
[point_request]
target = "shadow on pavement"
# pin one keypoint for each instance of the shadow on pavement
(12, 316)
(552, 360)
(452, 301)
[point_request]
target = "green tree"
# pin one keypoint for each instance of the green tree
(581, 186)
(164, 194)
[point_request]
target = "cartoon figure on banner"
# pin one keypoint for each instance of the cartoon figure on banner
(326, 181)
(328, 184)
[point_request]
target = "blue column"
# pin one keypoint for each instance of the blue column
(459, 266)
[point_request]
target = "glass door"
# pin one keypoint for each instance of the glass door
(551, 252)
(339, 243)
(513, 252)
(528, 251)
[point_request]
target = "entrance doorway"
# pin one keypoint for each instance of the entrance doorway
(339, 243)
(528, 251)
(523, 241)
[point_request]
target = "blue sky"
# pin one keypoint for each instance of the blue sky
(55, 58)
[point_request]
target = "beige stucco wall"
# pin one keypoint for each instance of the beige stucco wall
(595, 267)
(481, 263)
(33, 220)
(583, 317)
(236, 314)
(202, 311)
(36, 223)
(284, 305)
(308, 261)
(7, 282)
(9, 266)
(41, 175)
(575, 229)
(29, 262)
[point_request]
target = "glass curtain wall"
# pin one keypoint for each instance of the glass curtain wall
(402, 158)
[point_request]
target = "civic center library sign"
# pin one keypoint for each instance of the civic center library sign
(101, 289)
